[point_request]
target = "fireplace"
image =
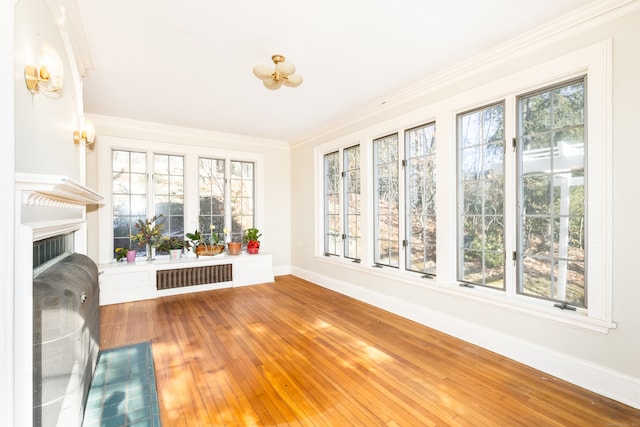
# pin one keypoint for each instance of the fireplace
(66, 339)
(56, 300)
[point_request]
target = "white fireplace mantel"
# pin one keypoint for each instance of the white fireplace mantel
(45, 206)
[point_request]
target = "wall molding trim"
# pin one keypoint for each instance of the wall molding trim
(598, 379)
(117, 126)
(595, 13)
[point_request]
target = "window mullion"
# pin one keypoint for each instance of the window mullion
(510, 195)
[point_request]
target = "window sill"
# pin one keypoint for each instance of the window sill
(540, 309)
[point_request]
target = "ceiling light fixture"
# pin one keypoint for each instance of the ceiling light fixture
(283, 74)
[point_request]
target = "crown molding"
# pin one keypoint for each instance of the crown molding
(595, 13)
(116, 126)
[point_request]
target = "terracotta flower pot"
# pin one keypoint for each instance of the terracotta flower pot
(233, 248)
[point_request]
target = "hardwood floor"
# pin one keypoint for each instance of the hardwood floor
(293, 353)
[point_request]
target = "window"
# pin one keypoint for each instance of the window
(211, 191)
(420, 193)
(481, 197)
(352, 233)
(218, 208)
(129, 195)
(515, 176)
(168, 193)
(332, 203)
(242, 198)
(386, 201)
(551, 163)
(219, 191)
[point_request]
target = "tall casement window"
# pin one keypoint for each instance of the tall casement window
(222, 205)
(332, 232)
(352, 233)
(242, 197)
(386, 201)
(481, 252)
(551, 193)
(168, 193)
(211, 194)
(129, 194)
(420, 193)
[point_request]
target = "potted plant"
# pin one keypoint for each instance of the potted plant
(204, 246)
(130, 254)
(234, 248)
(148, 235)
(173, 245)
(251, 236)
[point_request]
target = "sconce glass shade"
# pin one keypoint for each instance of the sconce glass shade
(48, 76)
(88, 134)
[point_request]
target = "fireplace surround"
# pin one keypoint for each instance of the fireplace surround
(56, 300)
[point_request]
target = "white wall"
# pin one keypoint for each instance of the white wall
(606, 363)
(39, 137)
(7, 255)
(276, 203)
(45, 122)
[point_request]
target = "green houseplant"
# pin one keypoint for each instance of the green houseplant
(148, 234)
(204, 246)
(251, 236)
(173, 245)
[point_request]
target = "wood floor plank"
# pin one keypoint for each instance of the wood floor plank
(293, 353)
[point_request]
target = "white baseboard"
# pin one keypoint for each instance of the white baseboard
(599, 379)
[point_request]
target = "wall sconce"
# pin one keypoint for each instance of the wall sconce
(48, 76)
(88, 135)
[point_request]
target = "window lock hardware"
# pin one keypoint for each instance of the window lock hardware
(404, 243)
(514, 257)
(327, 254)
(357, 260)
(404, 163)
(427, 276)
(466, 285)
(564, 306)
(514, 144)
(377, 265)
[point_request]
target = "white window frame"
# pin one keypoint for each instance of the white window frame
(191, 197)
(595, 62)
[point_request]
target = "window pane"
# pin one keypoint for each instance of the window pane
(332, 233)
(420, 193)
(211, 179)
(481, 180)
(352, 203)
(386, 201)
(128, 195)
(242, 197)
(551, 232)
(169, 194)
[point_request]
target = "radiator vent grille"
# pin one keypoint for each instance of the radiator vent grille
(182, 277)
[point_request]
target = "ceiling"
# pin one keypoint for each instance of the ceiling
(189, 62)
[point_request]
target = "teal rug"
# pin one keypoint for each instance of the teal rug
(123, 391)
